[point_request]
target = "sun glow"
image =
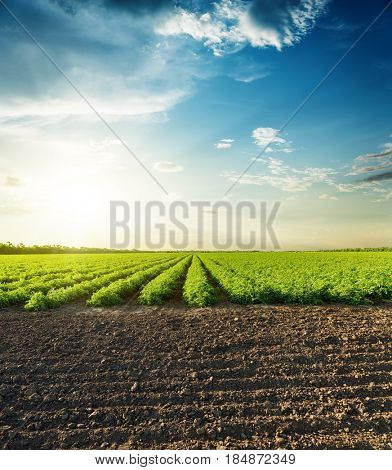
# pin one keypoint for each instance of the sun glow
(79, 210)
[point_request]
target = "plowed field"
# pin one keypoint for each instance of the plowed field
(229, 376)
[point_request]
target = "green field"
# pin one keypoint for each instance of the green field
(39, 282)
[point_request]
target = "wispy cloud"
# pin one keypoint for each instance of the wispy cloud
(385, 153)
(386, 197)
(89, 41)
(285, 178)
(372, 162)
(168, 167)
(327, 197)
(247, 75)
(275, 165)
(224, 144)
(386, 176)
(337, 25)
(126, 103)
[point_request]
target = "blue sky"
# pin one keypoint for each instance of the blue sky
(197, 89)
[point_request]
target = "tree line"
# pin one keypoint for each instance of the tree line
(9, 248)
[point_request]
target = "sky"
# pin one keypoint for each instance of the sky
(196, 90)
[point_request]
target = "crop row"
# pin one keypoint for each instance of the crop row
(48, 281)
(238, 289)
(38, 289)
(25, 271)
(18, 268)
(57, 297)
(197, 291)
(161, 287)
(115, 293)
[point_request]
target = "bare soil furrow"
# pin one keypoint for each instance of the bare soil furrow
(220, 377)
(113, 372)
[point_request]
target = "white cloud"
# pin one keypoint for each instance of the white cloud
(245, 77)
(285, 178)
(385, 194)
(264, 136)
(168, 167)
(284, 182)
(318, 175)
(276, 166)
(224, 144)
(353, 187)
(126, 103)
(232, 24)
(346, 187)
(162, 72)
(327, 197)
(380, 190)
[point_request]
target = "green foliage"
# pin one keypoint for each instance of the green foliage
(57, 297)
(239, 289)
(303, 277)
(197, 291)
(49, 281)
(160, 288)
(115, 293)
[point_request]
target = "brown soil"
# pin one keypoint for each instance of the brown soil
(239, 377)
